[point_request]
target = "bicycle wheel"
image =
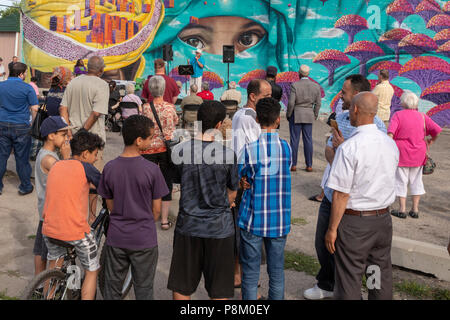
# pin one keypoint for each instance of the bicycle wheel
(127, 284)
(50, 285)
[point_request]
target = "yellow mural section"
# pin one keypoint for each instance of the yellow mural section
(58, 33)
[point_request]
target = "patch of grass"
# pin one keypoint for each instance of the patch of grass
(31, 237)
(420, 291)
(4, 296)
(301, 262)
(298, 221)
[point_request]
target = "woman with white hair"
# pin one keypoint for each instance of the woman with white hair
(409, 128)
(157, 153)
(131, 97)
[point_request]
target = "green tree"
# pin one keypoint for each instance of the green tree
(12, 10)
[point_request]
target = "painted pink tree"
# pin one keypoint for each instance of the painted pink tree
(427, 9)
(414, 3)
(392, 67)
(331, 59)
(323, 2)
(364, 51)
(417, 44)
(444, 49)
(438, 93)
(351, 24)
(426, 71)
(392, 39)
(442, 37)
(446, 7)
(439, 22)
(440, 114)
(399, 10)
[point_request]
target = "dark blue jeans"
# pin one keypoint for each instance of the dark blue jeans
(325, 277)
(250, 258)
(305, 130)
(16, 136)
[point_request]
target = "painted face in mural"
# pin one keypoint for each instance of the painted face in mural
(212, 33)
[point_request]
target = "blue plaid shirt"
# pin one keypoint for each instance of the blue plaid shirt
(265, 210)
(343, 121)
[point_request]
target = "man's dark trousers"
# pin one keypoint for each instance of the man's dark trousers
(325, 277)
(305, 129)
(363, 243)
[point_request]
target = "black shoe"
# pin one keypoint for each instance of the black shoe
(398, 214)
(25, 193)
(413, 214)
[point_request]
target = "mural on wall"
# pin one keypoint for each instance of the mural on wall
(335, 38)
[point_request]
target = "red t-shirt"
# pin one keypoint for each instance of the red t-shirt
(170, 92)
(206, 95)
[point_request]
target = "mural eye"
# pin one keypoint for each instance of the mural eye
(249, 39)
(194, 42)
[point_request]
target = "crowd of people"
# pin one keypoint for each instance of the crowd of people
(235, 200)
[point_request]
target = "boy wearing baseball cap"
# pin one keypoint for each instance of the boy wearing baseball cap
(54, 130)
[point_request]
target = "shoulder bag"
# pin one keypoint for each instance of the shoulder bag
(168, 143)
(429, 166)
(41, 115)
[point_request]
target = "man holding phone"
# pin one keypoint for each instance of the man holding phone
(341, 130)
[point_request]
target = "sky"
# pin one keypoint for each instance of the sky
(5, 2)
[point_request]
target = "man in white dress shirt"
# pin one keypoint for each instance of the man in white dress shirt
(360, 228)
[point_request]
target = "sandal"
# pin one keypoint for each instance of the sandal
(398, 214)
(413, 214)
(314, 198)
(166, 226)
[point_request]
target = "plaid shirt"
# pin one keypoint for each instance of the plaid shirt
(265, 209)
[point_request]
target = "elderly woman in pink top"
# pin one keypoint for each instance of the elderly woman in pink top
(409, 128)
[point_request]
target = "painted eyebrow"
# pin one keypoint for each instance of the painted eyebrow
(253, 24)
(197, 26)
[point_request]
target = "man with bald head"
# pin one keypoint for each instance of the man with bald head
(353, 85)
(360, 228)
(85, 101)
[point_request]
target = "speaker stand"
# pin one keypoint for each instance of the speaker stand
(228, 76)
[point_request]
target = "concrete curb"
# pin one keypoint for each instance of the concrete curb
(421, 256)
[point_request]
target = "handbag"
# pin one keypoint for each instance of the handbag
(41, 115)
(429, 166)
(170, 144)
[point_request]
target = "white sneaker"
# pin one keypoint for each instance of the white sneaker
(315, 293)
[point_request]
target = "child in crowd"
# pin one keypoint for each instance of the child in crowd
(133, 188)
(265, 210)
(66, 207)
(54, 130)
(204, 232)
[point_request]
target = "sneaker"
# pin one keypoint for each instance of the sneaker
(27, 192)
(315, 293)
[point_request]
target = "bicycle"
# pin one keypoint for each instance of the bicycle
(64, 281)
(60, 283)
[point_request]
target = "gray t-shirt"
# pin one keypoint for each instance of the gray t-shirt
(205, 170)
(83, 95)
(41, 178)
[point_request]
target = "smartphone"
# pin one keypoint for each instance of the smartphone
(334, 124)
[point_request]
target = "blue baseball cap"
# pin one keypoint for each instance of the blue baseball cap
(54, 124)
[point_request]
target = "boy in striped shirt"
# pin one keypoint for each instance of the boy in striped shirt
(265, 211)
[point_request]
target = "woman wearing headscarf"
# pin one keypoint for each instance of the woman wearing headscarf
(60, 79)
(259, 31)
(79, 68)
